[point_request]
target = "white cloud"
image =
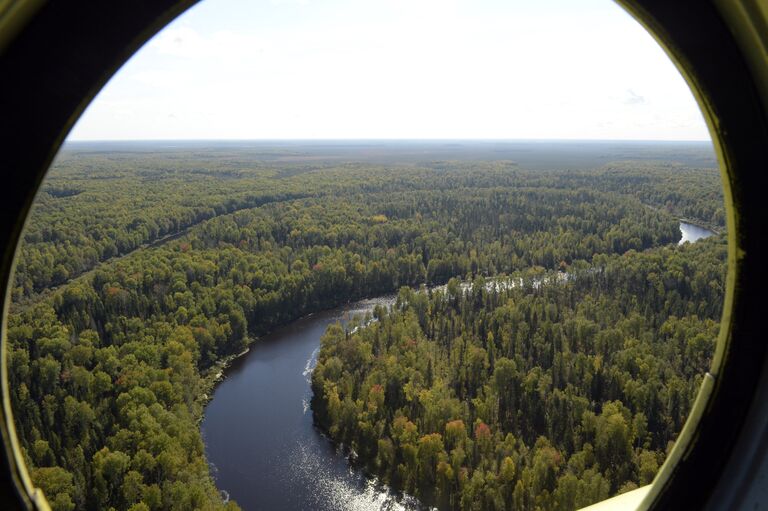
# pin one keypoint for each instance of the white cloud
(403, 68)
(632, 98)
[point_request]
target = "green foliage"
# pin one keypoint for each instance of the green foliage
(575, 383)
(139, 274)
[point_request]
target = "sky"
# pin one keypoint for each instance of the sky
(397, 69)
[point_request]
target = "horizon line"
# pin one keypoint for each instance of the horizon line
(123, 140)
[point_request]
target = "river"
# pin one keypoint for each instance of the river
(692, 232)
(261, 444)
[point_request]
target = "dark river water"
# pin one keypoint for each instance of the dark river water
(262, 447)
(260, 442)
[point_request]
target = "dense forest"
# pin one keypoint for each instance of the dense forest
(141, 274)
(97, 206)
(546, 391)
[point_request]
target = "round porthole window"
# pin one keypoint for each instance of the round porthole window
(542, 347)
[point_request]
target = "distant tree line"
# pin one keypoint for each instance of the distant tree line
(96, 206)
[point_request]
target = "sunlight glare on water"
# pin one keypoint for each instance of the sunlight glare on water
(333, 493)
(692, 233)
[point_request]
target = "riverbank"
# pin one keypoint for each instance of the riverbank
(691, 233)
(703, 225)
(717, 229)
(215, 374)
(212, 377)
(260, 427)
(260, 439)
